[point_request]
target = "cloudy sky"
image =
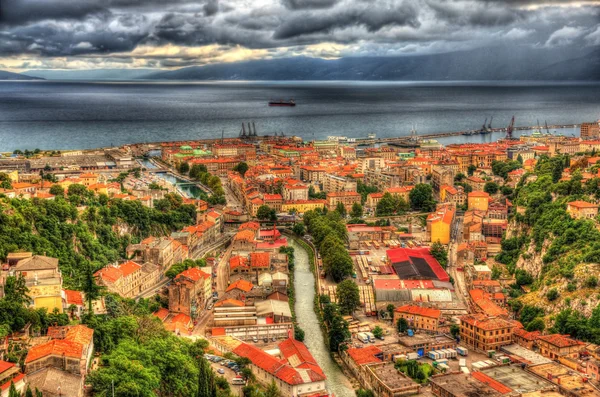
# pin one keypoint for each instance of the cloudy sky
(90, 34)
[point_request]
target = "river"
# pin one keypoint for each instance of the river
(304, 283)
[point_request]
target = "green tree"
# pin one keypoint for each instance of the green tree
(348, 296)
(338, 330)
(272, 390)
(183, 168)
(390, 308)
(357, 211)
(28, 392)
(266, 213)
(421, 198)
(537, 324)
(241, 168)
(471, 169)
(91, 289)
(206, 379)
(438, 251)
(454, 330)
(337, 263)
(552, 294)
(299, 229)
(15, 290)
(402, 325)
(378, 332)
(12, 391)
(491, 187)
(364, 393)
(520, 159)
(57, 190)
(340, 208)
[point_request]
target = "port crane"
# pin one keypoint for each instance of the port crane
(510, 128)
(547, 129)
(489, 127)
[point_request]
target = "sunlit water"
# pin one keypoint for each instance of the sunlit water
(79, 115)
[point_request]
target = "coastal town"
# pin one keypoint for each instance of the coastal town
(305, 268)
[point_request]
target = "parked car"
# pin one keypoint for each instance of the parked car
(266, 340)
(255, 339)
(221, 371)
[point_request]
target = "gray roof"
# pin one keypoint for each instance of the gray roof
(48, 380)
(272, 306)
(37, 262)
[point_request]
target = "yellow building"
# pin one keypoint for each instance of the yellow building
(43, 280)
(439, 225)
(13, 176)
(478, 201)
(89, 179)
(301, 206)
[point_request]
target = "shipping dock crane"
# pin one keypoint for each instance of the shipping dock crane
(489, 127)
(510, 128)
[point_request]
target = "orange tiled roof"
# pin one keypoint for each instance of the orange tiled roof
(237, 261)
(161, 313)
(582, 204)
(55, 347)
(129, 267)
(260, 259)
(242, 285)
(365, 355)
(559, 340)
(73, 297)
(193, 274)
(419, 311)
(230, 302)
(246, 235)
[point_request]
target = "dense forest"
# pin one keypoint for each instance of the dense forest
(552, 254)
(85, 231)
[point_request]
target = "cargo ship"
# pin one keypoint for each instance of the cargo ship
(291, 102)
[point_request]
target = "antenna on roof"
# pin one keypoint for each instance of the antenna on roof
(223, 135)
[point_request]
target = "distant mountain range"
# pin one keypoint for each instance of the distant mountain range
(483, 64)
(16, 76)
(92, 74)
(494, 63)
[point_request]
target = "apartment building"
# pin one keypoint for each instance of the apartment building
(590, 130)
(421, 318)
(295, 192)
(582, 209)
(129, 279)
(335, 183)
(346, 198)
(441, 175)
(485, 333)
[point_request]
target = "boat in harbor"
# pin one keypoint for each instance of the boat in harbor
(281, 102)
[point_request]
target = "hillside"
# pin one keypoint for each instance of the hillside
(554, 256)
(481, 64)
(16, 76)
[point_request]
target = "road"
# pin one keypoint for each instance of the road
(200, 253)
(458, 276)
(232, 201)
(222, 272)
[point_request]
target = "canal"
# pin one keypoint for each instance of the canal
(304, 283)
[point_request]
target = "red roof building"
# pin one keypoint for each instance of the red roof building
(416, 263)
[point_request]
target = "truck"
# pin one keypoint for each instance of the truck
(462, 362)
(465, 370)
(434, 355)
(462, 351)
(363, 337)
(370, 336)
(412, 356)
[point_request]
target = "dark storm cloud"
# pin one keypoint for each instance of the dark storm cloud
(89, 28)
(372, 18)
(308, 4)
(15, 12)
